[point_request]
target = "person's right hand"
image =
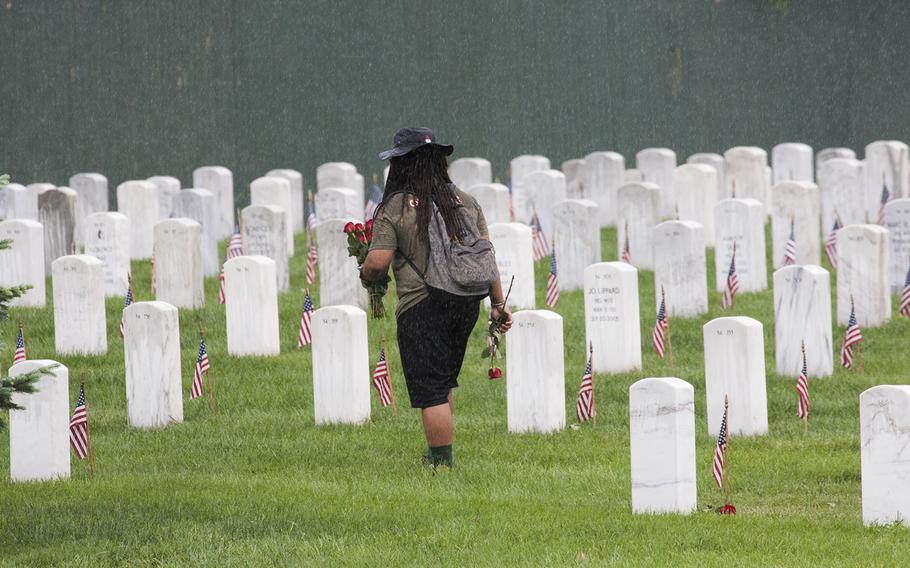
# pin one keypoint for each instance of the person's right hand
(503, 317)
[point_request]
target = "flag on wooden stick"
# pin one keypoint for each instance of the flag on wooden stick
(381, 379)
(19, 355)
(852, 336)
(886, 197)
(732, 284)
(790, 246)
(312, 258)
(79, 436)
(802, 390)
(831, 243)
(552, 282)
(305, 336)
(719, 464)
(658, 333)
(221, 295)
(201, 368)
(128, 300)
(904, 309)
(538, 240)
(626, 251)
(584, 404)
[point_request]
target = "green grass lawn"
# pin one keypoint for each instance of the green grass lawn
(259, 483)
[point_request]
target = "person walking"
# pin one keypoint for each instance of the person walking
(434, 236)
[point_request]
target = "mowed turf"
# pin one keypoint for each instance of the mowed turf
(259, 484)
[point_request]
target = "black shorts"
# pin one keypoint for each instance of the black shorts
(432, 337)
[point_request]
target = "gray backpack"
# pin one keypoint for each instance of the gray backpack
(464, 268)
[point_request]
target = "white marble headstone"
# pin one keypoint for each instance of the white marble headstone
(493, 199)
(697, 189)
(680, 269)
(662, 446)
(612, 319)
(276, 191)
(632, 176)
(638, 206)
(39, 443)
(338, 203)
(576, 240)
(339, 280)
(792, 161)
(465, 173)
(264, 232)
(199, 205)
(40, 187)
(251, 298)
(795, 201)
(57, 209)
(168, 187)
(93, 197)
(295, 178)
(535, 374)
(863, 262)
(602, 176)
(515, 258)
(841, 191)
(107, 237)
(138, 200)
(519, 168)
(735, 367)
(341, 174)
(802, 313)
(178, 263)
(220, 181)
(657, 166)
(79, 313)
(826, 154)
(746, 176)
(897, 221)
(887, 163)
(740, 221)
(151, 351)
(543, 189)
(20, 202)
(884, 430)
(717, 162)
(574, 182)
(23, 262)
(341, 377)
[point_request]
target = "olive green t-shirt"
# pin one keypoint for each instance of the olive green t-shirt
(395, 228)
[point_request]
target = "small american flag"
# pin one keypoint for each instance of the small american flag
(305, 336)
(658, 334)
(720, 451)
(19, 356)
(852, 336)
(732, 286)
(802, 390)
(311, 220)
(221, 295)
(235, 245)
(312, 259)
(831, 243)
(539, 241)
(584, 404)
(126, 303)
(79, 426)
(790, 247)
(904, 309)
(372, 202)
(382, 381)
(552, 283)
(202, 367)
(626, 250)
(886, 197)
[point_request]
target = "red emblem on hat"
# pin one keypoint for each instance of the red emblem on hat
(428, 140)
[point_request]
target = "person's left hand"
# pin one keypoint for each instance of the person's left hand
(503, 317)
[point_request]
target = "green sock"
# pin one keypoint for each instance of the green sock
(442, 455)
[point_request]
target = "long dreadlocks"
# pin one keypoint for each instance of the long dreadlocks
(424, 173)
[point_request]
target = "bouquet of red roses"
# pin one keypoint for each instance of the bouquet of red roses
(359, 238)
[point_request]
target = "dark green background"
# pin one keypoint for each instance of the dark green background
(137, 88)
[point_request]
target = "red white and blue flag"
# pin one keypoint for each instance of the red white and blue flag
(127, 302)
(305, 335)
(552, 283)
(79, 426)
(312, 259)
(790, 247)
(538, 240)
(802, 390)
(831, 243)
(626, 249)
(904, 309)
(382, 380)
(886, 197)
(202, 367)
(852, 336)
(19, 356)
(221, 295)
(658, 334)
(720, 452)
(584, 404)
(732, 285)
(235, 245)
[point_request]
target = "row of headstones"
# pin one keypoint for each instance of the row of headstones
(661, 410)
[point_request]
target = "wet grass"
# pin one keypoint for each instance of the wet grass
(259, 483)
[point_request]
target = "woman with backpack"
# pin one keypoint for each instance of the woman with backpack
(434, 237)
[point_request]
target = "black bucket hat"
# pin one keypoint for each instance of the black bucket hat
(411, 138)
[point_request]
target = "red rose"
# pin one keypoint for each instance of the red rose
(369, 235)
(369, 226)
(494, 373)
(361, 237)
(358, 227)
(349, 228)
